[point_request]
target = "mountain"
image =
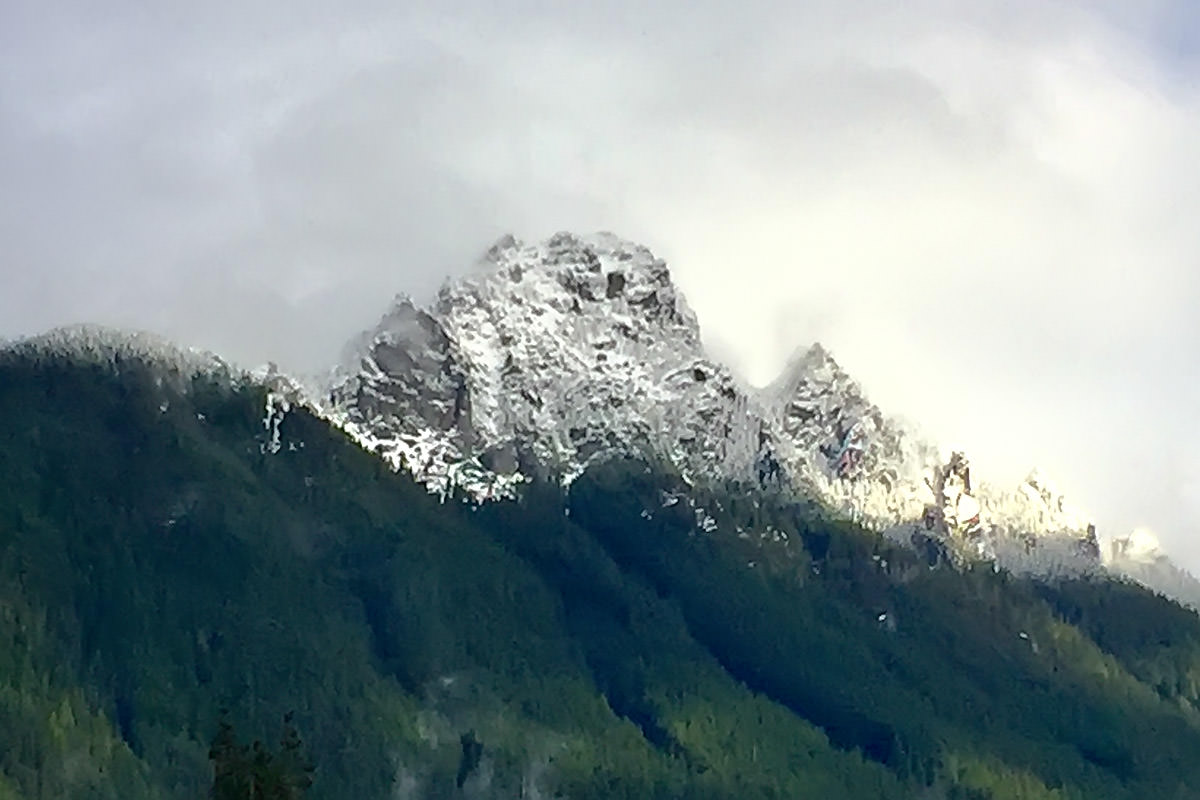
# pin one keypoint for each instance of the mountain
(178, 537)
(541, 360)
(551, 355)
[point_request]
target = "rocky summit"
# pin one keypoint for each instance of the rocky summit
(545, 358)
(548, 356)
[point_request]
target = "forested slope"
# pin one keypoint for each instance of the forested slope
(637, 638)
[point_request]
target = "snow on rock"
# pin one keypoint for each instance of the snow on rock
(546, 357)
(277, 408)
(550, 355)
(862, 463)
(887, 475)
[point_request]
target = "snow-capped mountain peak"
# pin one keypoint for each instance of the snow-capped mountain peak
(551, 354)
(542, 358)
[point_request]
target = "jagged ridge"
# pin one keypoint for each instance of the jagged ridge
(550, 355)
(547, 356)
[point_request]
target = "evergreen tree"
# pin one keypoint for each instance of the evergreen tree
(253, 772)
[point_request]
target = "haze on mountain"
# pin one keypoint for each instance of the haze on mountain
(983, 208)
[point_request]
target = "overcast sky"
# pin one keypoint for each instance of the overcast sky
(989, 211)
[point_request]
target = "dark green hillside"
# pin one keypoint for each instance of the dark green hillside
(158, 564)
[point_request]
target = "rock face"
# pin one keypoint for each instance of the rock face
(888, 476)
(546, 357)
(868, 466)
(550, 355)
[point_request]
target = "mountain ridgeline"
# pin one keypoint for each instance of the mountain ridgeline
(633, 577)
(550, 356)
